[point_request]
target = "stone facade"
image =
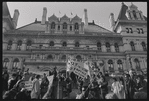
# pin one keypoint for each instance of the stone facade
(45, 44)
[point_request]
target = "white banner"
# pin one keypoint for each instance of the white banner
(50, 78)
(28, 85)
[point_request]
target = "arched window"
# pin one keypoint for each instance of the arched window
(19, 44)
(28, 45)
(9, 45)
(63, 58)
(50, 57)
(53, 25)
(16, 63)
(137, 64)
(108, 47)
(6, 62)
(111, 67)
(144, 46)
(120, 66)
(76, 27)
(134, 14)
(64, 25)
(132, 46)
(78, 57)
(64, 44)
(51, 43)
(99, 46)
(77, 44)
(116, 47)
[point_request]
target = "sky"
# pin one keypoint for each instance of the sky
(97, 11)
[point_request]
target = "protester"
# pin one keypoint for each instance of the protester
(44, 85)
(5, 77)
(103, 85)
(140, 95)
(11, 94)
(80, 83)
(68, 86)
(48, 94)
(55, 74)
(35, 92)
(12, 81)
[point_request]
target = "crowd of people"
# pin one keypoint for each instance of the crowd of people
(99, 86)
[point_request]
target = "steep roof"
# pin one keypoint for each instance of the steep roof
(5, 9)
(53, 17)
(65, 17)
(35, 26)
(96, 28)
(122, 13)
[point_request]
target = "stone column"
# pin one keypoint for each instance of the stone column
(10, 64)
(112, 47)
(106, 65)
(56, 28)
(133, 63)
(124, 65)
(24, 45)
(79, 28)
(137, 46)
(128, 59)
(103, 47)
(14, 45)
(61, 27)
(121, 47)
(5, 44)
(115, 65)
(68, 27)
(127, 46)
(141, 63)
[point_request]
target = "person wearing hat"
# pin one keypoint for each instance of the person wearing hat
(11, 94)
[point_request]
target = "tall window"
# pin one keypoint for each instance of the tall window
(131, 31)
(120, 66)
(70, 28)
(116, 47)
(29, 43)
(134, 14)
(137, 64)
(64, 44)
(9, 45)
(77, 44)
(132, 46)
(64, 25)
(19, 44)
(58, 27)
(76, 27)
(78, 57)
(16, 63)
(53, 25)
(63, 58)
(51, 43)
(50, 57)
(111, 67)
(99, 46)
(6, 63)
(144, 46)
(108, 47)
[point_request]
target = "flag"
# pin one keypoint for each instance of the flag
(50, 78)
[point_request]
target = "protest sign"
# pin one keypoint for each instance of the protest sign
(80, 70)
(28, 85)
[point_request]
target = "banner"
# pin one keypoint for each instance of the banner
(50, 78)
(80, 70)
(70, 64)
(28, 85)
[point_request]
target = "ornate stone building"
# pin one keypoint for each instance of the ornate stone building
(42, 45)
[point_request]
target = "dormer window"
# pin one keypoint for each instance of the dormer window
(52, 25)
(64, 25)
(76, 26)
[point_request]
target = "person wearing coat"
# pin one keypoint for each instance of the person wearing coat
(103, 85)
(11, 94)
(35, 92)
(44, 85)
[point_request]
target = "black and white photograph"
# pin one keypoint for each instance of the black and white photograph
(74, 50)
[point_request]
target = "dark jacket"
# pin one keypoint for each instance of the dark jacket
(23, 95)
(11, 94)
(130, 88)
(11, 83)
